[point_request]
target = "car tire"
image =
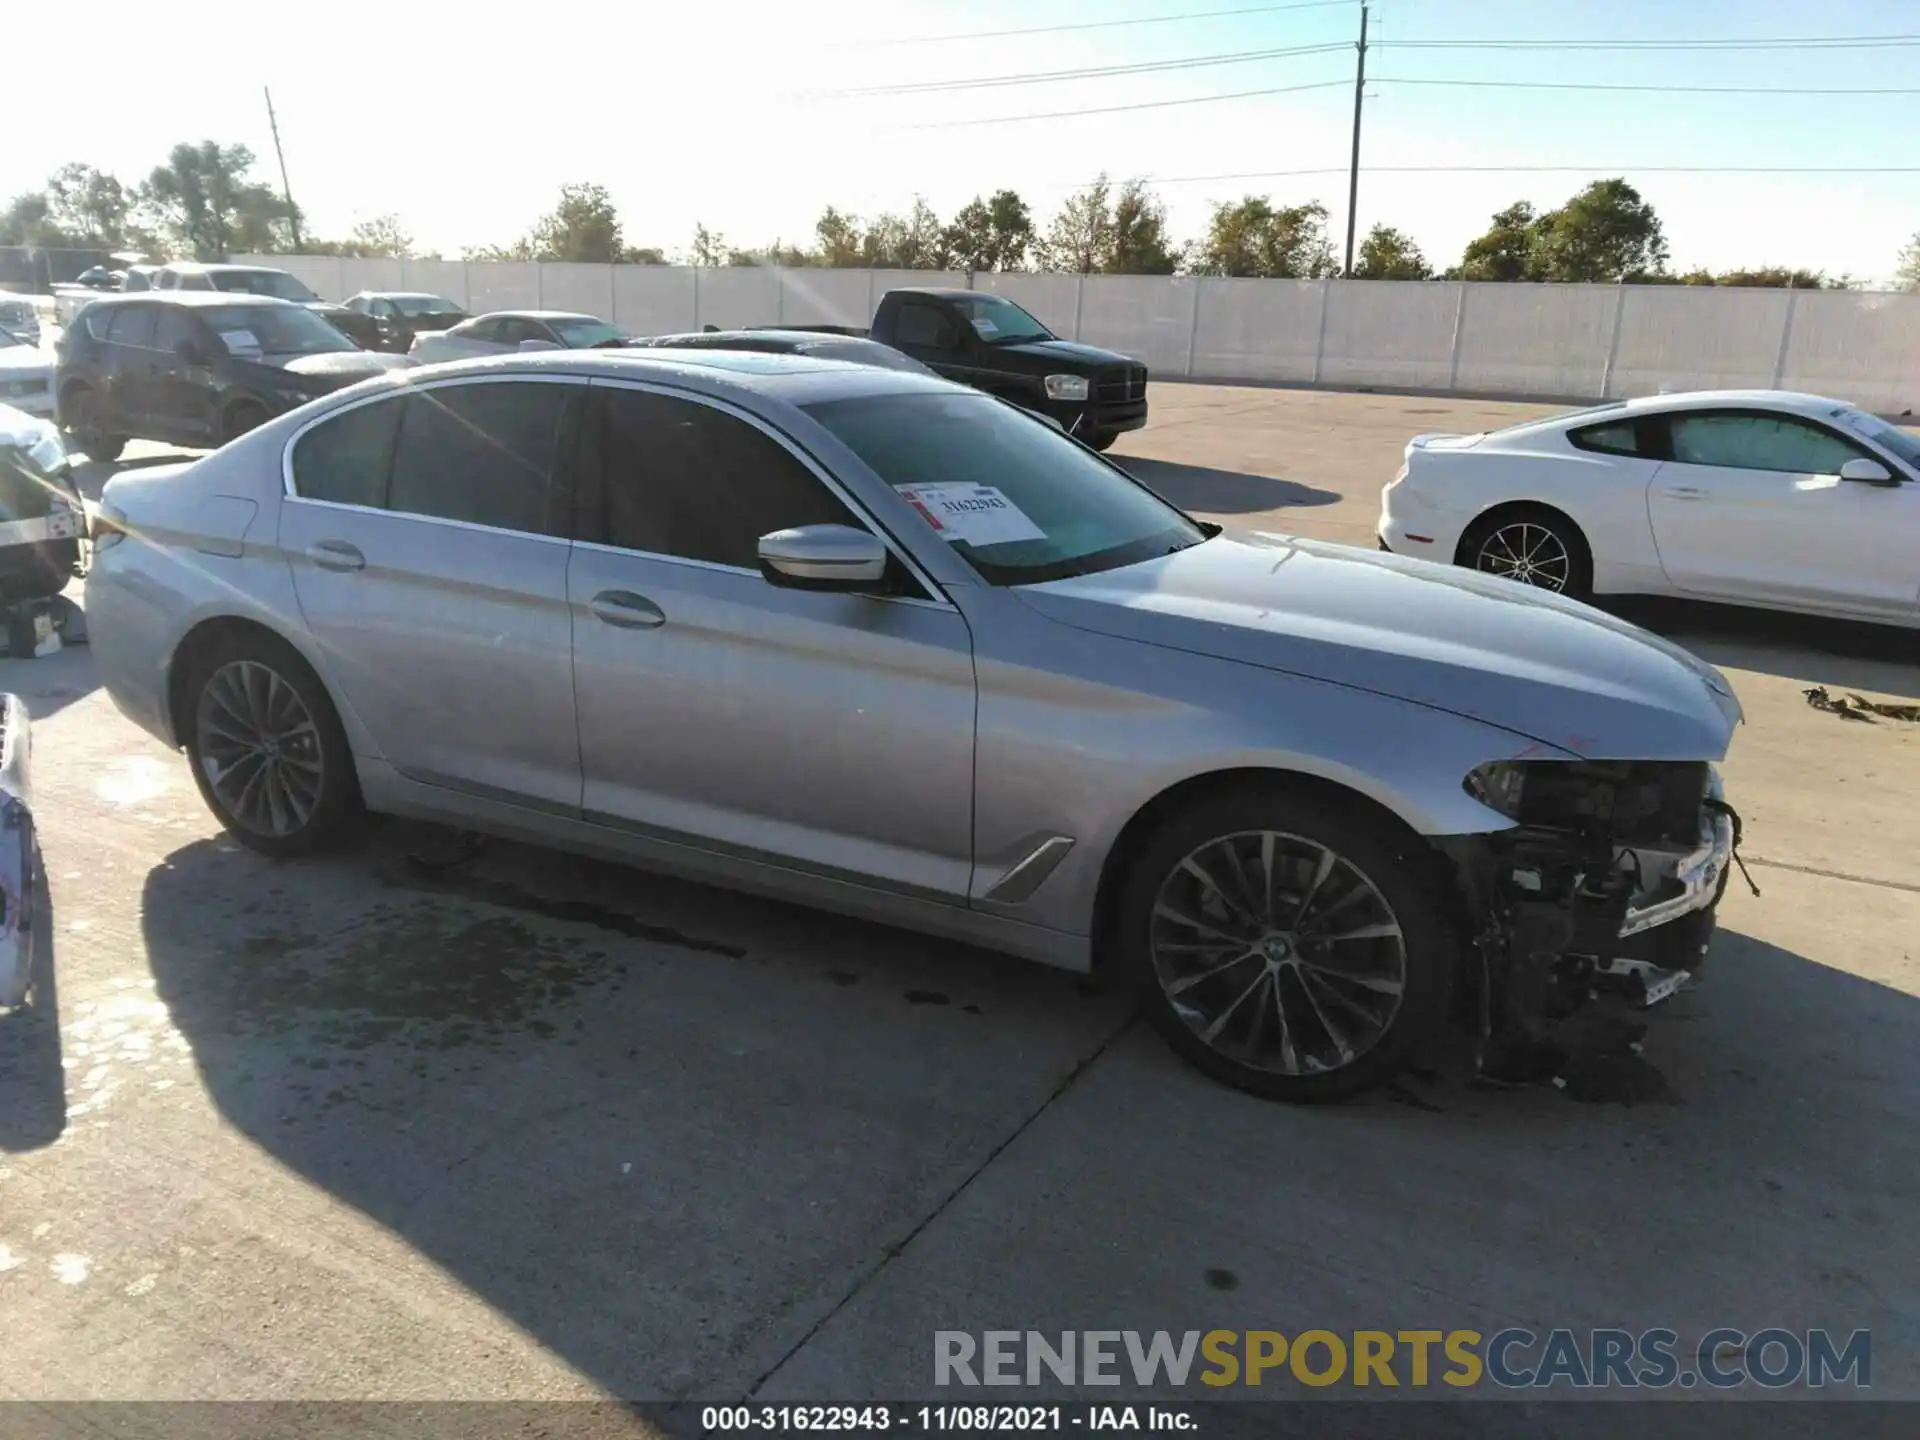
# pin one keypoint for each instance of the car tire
(81, 410)
(240, 418)
(1535, 546)
(1102, 440)
(1304, 1013)
(267, 748)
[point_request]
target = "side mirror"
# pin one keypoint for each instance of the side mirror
(823, 557)
(529, 345)
(1867, 472)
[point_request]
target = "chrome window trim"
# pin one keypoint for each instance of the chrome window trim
(935, 597)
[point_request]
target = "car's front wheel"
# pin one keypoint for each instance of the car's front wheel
(268, 751)
(1286, 945)
(1102, 440)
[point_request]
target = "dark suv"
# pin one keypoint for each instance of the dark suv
(196, 368)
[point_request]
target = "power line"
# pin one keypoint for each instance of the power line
(1526, 170)
(1106, 24)
(1086, 73)
(1660, 89)
(1118, 109)
(1776, 42)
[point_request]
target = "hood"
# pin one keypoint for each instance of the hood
(1552, 669)
(324, 307)
(1070, 351)
(321, 374)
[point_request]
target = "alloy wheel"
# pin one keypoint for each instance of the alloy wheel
(1278, 953)
(259, 748)
(1528, 552)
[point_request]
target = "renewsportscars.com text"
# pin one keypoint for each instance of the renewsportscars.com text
(1514, 1358)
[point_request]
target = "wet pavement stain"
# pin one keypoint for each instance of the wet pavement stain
(927, 997)
(1219, 1279)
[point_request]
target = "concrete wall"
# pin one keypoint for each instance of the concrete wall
(1564, 341)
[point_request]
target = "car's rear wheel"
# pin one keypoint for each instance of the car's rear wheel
(268, 751)
(1537, 547)
(1286, 945)
(243, 416)
(84, 410)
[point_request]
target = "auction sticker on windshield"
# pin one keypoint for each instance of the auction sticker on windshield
(240, 340)
(975, 514)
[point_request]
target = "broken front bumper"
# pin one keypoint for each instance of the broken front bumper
(1696, 879)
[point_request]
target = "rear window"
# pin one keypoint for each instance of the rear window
(1622, 438)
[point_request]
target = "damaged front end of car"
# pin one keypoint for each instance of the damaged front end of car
(1595, 904)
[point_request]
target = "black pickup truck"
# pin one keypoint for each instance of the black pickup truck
(988, 342)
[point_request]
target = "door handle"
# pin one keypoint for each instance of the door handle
(336, 555)
(627, 610)
(1687, 492)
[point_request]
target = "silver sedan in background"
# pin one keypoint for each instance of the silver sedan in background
(871, 641)
(508, 332)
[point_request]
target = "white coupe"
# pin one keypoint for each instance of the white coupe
(1753, 497)
(505, 332)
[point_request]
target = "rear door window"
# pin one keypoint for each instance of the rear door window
(346, 460)
(133, 325)
(483, 453)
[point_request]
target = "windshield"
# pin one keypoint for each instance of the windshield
(999, 321)
(248, 330)
(7, 337)
(1020, 501)
(583, 334)
(424, 305)
(276, 283)
(1904, 444)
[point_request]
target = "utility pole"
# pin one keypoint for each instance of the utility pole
(1353, 172)
(293, 212)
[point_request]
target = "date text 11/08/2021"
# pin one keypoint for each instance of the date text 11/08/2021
(937, 1419)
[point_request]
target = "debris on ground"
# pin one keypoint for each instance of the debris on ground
(1854, 706)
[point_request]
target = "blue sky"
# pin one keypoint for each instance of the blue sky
(465, 119)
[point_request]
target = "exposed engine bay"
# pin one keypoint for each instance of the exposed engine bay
(1598, 903)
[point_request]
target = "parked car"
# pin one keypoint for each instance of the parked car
(1754, 497)
(196, 367)
(99, 277)
(988, 342)
(820, 345)
(19, 316)
(26, 373)
(42, 517)
(504, 332)
(276, 284)
(139, 277)
(398, 316)
(876, 642)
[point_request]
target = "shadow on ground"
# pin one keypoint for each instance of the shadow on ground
(49, 684)
(33, 1084)
(1882, 658)
(1221, 492)
(691, 1143)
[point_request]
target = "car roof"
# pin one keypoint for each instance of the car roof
(536, 315)
(795, 379)
(196, 298)
(400, 295)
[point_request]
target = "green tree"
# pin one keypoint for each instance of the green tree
(1390, 254)
(382, 236)
(837, 236)
(643, 255)
(1505, 252)
(1081, 235)
(1139, 244)
(990, 234)
(91, 206)
(1907, 275)
(914, 241)
(709, 249)
(207, 205)
(1605, 233)
(1253, 236)
(28, 220)
(582, 227)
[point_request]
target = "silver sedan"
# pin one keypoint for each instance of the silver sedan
(870, 641)
(508, 332)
